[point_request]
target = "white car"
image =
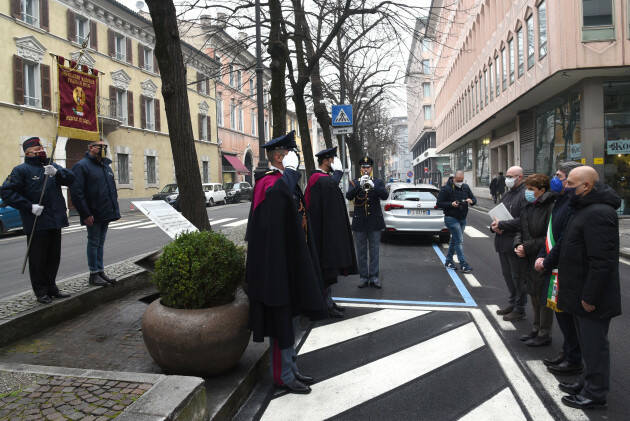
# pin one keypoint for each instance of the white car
(413, 208)
(214, 193)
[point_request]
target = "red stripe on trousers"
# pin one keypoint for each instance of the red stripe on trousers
(277, 363)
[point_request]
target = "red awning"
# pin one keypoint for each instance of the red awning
(237, 164)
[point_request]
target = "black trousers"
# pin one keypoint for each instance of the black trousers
(513, 268)
(593, 336)
(43, 261)
(571, 344)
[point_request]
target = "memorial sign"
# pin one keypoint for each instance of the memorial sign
(165, 216)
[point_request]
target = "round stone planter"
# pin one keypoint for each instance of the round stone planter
(203, 342)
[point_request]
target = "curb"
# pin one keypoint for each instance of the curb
(39, 318)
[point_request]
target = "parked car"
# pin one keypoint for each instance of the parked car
(9, 219)
(238, 191)
(214, 193)
(413, 208)
(168, 190)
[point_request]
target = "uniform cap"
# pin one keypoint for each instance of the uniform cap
(366, 161)
(283, 142)
(327, 153)
(30, 142)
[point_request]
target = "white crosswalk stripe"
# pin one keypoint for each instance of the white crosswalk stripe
(237, 223)
(472, 281)
(474, 232)
(501, 406)
(492, 308)
(137, 225)
(222, 221)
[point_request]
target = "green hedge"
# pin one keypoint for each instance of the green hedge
(199, 270)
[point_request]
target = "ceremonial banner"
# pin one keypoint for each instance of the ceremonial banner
(78, 93)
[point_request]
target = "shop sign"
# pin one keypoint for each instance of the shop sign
(619, 146)
(575, 151)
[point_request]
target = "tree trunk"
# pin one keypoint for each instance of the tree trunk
(302, 115)
(319, 107)
(278, 51)
(356, 151)
(173, 73)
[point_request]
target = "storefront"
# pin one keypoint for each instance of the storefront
(617, 135)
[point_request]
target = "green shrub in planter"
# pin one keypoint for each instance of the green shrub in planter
(199, 270)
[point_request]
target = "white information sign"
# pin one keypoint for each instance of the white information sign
(165, 216)
(341, 130)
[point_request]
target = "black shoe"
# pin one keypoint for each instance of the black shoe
(466, 269)
(377, 284)
(363, 284)
(295, 386)
(514, 316)
(555, 360)
(571, 388)
(338, 307)
(96, 280)
(107, 278)
(304, 378)
(539, 341)
(44, 299)
(565, 368)
(505, 310)
(529, 336)
(582, 402)
(59, 294)
(334, 313)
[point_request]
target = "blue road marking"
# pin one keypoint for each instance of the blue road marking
(468, 299)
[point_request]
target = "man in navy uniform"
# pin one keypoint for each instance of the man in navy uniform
(282, 270)
(367, 222)
(22, 190)
(330, 227)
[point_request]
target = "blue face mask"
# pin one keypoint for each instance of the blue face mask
(556, 185)
(529, 196)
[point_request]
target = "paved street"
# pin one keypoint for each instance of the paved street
(132, 235)
(429, 346)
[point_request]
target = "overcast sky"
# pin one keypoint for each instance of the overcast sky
(399, 108)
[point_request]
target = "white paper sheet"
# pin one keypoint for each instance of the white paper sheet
(500, 212)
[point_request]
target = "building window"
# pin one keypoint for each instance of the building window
(149, 110)
(427, 112)
(123, 168)
(253, 123)
(511, 52)
(148, 59)
(120, 45)
(426, 68)
(233, 115)
(426, 44)
(32, 86)
(203, 127)
(426, 90)
(239, 81)
(205, 171)
(504, 68)
(497, 76)
(151, 179)
(542, 30)
(519, 51)
(252, 90)
(490, 85)
(82, 28)
(616, 135)
(121, 106)
(485, 86)
(30, 12)
(529, 23)
(266, 129)
(231, 75)
(219, 109)
(597, 18)
(483, 170)
(240, 117)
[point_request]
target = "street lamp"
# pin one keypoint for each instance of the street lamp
(262, 161)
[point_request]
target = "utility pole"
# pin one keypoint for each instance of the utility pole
(262, 160)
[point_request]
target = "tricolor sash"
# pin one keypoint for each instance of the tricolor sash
(552, 291)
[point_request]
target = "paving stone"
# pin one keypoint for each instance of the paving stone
(99, 411)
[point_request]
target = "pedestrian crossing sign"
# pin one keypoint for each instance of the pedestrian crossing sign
(341, 115)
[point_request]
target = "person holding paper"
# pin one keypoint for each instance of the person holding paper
(512, 266)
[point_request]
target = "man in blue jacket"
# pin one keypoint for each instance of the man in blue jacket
(96, 199)
(22, 190)
(454, 198)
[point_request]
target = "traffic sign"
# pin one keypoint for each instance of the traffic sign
(409, 174)
(341, 115)
(341, 130)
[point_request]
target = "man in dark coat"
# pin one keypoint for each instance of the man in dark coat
(282, 270)
(330, 227)
(511, 266)
(22, 190)
(367, 222)
(454, 198)
(96, 199)
(588, 267)
(527, 244)
(500, 187)
(493, 189)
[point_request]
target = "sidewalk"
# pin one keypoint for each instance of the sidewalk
(484, 204)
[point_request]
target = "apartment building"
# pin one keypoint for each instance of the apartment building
(428, 166)
(131, 109)
(534, 83)
(399, 163)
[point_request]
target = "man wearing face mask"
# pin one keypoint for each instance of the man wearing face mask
(454, 198)
(22, 190)
(96, 199)
(512, 266)
(588, 281)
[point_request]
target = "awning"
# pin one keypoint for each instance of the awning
(237, 164)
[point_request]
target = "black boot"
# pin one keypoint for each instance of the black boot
(96, 280)
(107, 278)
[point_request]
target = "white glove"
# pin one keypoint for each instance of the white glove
(364, 179)
(370, 183)
(37, 209)
(336, 165)
(291, 161)
(50, 170)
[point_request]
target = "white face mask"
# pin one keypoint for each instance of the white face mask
(458, 184)
(509, 182)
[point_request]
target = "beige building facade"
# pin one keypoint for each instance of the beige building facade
(534, 83)
(131, 109)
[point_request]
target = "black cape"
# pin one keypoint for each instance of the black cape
(282, 271)
(330, 227)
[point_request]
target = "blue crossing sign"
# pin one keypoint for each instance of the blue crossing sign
(341, 115)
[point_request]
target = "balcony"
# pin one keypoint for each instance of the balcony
(108, 115)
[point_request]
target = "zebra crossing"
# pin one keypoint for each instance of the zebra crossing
(407, 363)
(145, 223)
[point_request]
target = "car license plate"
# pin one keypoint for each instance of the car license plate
(418, 212)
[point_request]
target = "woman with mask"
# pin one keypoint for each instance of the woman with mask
(527, 243)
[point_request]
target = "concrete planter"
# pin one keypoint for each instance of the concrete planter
(203, 342)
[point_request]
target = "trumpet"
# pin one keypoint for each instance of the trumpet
(365, 185)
